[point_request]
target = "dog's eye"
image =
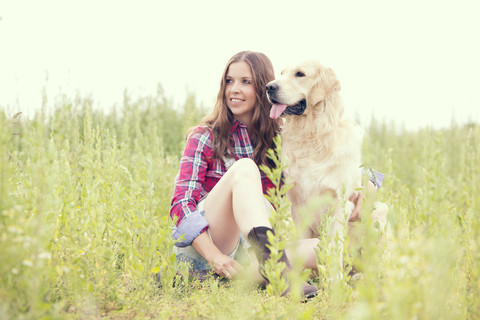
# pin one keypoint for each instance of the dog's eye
(299, 74)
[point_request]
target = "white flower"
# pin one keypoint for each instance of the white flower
(27, 263)
(44, 255)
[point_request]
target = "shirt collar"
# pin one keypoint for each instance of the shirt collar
(236, 124)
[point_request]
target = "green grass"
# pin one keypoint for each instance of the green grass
(84, 225)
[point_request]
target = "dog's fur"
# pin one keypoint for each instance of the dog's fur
(322, 146)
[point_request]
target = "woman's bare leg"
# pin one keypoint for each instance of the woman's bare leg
(236, 205)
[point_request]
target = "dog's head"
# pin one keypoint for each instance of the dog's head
(301, 88)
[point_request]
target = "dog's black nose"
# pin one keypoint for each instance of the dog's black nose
(271, 87)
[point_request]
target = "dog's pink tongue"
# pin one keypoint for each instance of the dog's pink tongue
(277, 110)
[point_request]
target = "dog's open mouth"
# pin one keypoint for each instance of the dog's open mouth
(283, 109)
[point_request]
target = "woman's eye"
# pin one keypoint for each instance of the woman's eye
(299, 74)
(247, 81)
(228, 80)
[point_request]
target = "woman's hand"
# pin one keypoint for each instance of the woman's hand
(357, 199)
(225, 266)
(222, 264)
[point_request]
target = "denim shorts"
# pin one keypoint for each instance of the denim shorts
(197, 262)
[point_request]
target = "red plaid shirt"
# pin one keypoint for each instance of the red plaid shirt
(199, 173)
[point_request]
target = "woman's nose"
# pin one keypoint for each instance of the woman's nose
(235, 87)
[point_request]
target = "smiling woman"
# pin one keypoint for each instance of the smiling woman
(240, 92)
(218, 201)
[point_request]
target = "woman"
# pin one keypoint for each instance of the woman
(218, 199)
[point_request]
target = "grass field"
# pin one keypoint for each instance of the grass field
(84, 224)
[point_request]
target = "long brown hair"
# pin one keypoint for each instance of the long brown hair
(263, 129)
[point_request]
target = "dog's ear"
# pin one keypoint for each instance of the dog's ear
(317, 92)
(332, 80)
(324, 85)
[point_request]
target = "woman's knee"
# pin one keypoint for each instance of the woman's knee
(246, 169)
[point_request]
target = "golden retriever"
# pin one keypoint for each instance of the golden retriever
(322, 145)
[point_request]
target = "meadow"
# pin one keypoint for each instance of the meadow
(85, 229)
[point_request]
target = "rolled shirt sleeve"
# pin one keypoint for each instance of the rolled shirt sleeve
(190, 227)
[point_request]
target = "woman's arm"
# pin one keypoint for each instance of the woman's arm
(370, 190)
(188, 189)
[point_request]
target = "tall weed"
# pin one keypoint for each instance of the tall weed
(84, 225)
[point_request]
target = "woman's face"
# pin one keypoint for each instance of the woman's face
(240, 91)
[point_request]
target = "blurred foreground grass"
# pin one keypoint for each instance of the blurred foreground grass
(84, 225)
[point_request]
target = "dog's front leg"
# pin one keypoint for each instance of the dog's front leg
(336, 242)
(341, 216)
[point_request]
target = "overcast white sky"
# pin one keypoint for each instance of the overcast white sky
(415, 62)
